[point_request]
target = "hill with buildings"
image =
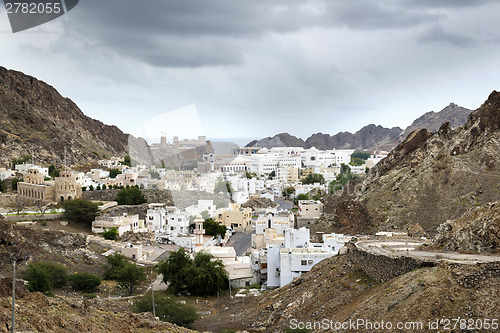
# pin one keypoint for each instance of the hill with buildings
(429, 178)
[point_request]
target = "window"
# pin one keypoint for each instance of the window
(303, 262)
(150, 218)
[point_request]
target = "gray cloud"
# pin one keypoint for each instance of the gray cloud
(218, 32)
(437, 34)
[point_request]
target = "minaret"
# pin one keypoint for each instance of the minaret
(199, 232)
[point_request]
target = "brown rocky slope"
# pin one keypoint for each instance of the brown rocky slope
(34, 116)
(434, 177)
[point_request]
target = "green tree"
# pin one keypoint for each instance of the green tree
(113, 265)
(344, 169)
(114, 172)
(3, 186)
(356, 161)
(127, 161)
(130, 196)
(361, 155)
(302, 196)
(155, 174)
(287, 191)
(53, 172)
(248, 175)
(213, 228)
(272, 175)
(313, 178)
(168, 309)
(98, 188)
(43, 276)
(130, 276)
(91, 187)
(104, 187)
(111, 234)
(85, 282)
(14, 181)
(21, 160)
(80, 210)
(201, 276)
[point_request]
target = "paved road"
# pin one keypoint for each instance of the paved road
(284, 204)
(408, 248)
(241, 242)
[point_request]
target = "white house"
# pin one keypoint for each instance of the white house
(122, 223)
(156, 217)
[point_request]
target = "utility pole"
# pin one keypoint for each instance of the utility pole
(153, 299)
(13, 298)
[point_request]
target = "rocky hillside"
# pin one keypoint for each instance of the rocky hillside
(34, 116)
(432, 121)
(279, 140)
(338, 289)
(477, 230)
(433, 177)
(36, 312)
(370, 137)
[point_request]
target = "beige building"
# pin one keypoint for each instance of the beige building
(121, 223)
(34, 187)
(236, 217)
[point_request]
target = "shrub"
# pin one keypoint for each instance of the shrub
(43, 276)
(130, 196)
(111, 234)
(86, 282)
(80, 210)
(168, 309)
(114, 172)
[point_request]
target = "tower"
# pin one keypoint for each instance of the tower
(199, 232)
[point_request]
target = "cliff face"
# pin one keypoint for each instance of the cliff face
(475, 231)
(34, 116)
(433, 177)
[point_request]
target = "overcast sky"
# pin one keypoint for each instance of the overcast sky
(252, 68)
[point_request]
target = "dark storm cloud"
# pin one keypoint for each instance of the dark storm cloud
(219, 32)
(437, 34)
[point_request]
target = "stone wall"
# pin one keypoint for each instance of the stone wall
(384, 268)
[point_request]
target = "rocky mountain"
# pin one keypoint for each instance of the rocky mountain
(34, 116)
(430, 177)
(279, 140)
(370, 137)
(432, 121)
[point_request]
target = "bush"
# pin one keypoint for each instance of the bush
(168, 309)
(113, 264)
(313, 178)
(114, 172)
(127, 274)
(213, 228)
(86, 282)
(80, 210)
(111, 234)
(43, 276)
(130, 196)
(200, 276)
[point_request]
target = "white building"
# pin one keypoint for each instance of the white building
(177, 223)
(122, 223)
(156, 217)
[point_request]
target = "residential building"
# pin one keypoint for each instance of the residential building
(234, 216)
(122, 223)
